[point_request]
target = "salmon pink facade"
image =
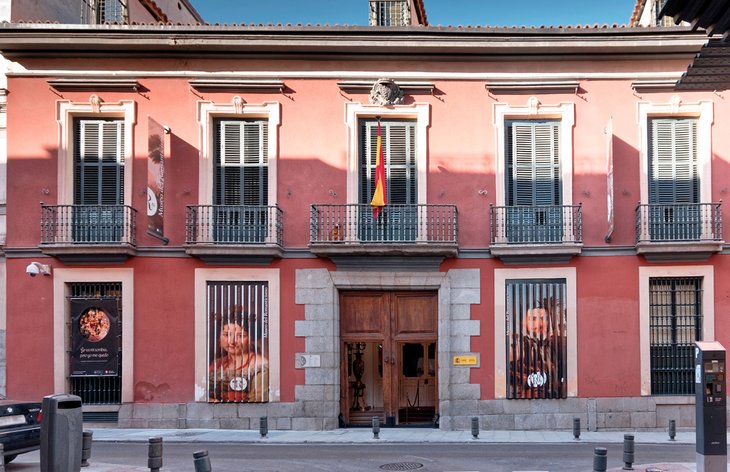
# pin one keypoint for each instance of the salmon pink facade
(552, 245)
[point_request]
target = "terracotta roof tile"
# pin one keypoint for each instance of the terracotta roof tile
(636, 14)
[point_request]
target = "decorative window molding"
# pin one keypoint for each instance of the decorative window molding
(567, 86)
(237, 108)
(61, 280)
(658, 85)
(675, 108)
(66, 112)
(202, 277)
(236, 85)
(362, 86)
(535, 110)
(500, 306)
(355, 111)
(67, 83)
(708, 310)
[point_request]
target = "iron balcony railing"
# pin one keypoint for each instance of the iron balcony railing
(233, 224)
(539, 224)
(396, 224)
(678, 222)
(88, 224)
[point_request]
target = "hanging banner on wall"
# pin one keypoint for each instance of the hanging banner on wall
(609, 178)
(94, 337)
(156, 180)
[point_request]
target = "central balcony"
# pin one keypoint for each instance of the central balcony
(680, 231)
(399, 230)
(88, 232)
(228, 233)
(539, 233)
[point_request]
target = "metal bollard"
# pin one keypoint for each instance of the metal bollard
(2, 462)
(201, 461)
(672, 430)
(376, 427)
(628, 451)
(576, 428)
(474, 427)
(86, 447)
(600, 460)
(264, 426)
(154, 456)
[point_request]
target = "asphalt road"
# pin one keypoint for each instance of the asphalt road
(372, 457)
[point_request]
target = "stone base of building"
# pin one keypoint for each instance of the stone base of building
(595, 414)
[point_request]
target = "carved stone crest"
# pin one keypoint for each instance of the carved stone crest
(386, 92)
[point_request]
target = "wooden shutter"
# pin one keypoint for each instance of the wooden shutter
(533, 163)
(241, 162)
(673, 173)
(399, 154)
(98, 162)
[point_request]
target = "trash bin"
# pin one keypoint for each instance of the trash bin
(61, 433)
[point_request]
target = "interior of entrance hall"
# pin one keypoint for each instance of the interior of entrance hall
(389, 361)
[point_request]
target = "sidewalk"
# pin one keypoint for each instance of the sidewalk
(387, 435)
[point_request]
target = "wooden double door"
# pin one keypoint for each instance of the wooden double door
(389, 357)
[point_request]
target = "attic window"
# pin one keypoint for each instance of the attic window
(104, 11)
(389, 13)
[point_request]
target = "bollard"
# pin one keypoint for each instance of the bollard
(376, 427)
(264, 426)
(672, 430)
(576, 428)
(154, 456)
(474, 427)
(599, 459)
(201, 461)
(86, 447)
(2, 462)
(628, 451)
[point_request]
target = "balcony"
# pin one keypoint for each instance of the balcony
(681, 231)
(400, 230)
(233, 233)
(79, 233)
(545, 233)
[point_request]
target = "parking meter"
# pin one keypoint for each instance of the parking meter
(711, 405)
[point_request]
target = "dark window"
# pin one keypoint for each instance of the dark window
(102, 389)
(675, 323)
(98, 162)
(536, 335)
(390, 12)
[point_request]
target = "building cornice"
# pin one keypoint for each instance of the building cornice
(55, 40)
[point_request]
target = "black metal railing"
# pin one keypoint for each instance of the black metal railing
(233, 224)
(539, 224)
(678, 222)
(88, 224)
(396, 224)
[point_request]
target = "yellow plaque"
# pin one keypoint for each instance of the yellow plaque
(465, 360)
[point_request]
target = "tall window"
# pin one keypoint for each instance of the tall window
(532, 181)
(674, 185)
(238, 341)
(241, 180)
(536, 338)
(675, 323)
(98, 180)
(398, 220)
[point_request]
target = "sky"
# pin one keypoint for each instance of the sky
(439, 12)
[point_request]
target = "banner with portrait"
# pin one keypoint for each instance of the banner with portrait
(156, 179)
(238, 343)
(95, 339)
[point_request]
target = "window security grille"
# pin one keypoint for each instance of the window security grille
(98, 390)
(675, 323)
(398, 221)
(238, 342)
(536, 322)
(104, 11)
(390, 12)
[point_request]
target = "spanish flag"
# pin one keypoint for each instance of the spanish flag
(380, 198)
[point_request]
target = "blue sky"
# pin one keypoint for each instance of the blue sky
(439, 12)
